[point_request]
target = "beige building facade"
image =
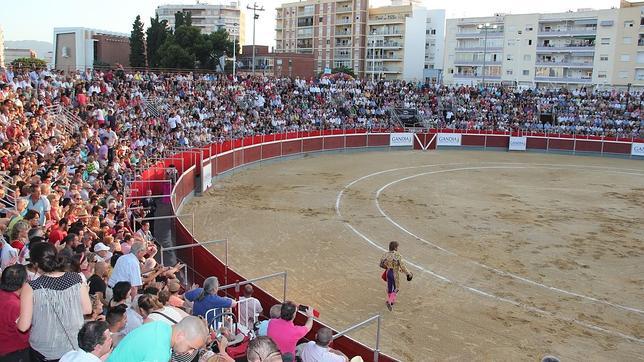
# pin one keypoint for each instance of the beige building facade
(334, 31)
(586, 48)
(210, 17)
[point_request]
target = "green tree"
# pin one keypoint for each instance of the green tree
(156, 35)
(29, 63)
(137, 45)
(181, 19)
(172, 55)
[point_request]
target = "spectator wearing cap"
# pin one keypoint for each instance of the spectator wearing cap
(175, 299)
(319, 350)
(285, 333)
(103, 251)
(94, 342)
(157, 340)
(14, 345)
(206, 298)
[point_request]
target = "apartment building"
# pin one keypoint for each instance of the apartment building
(434, 45)
(80, 48)
(334, 31)
(210, 17)
(584, 48)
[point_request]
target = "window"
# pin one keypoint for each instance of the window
(625, 58)
(527, 57)
(628, 24)
(528, 28)
(605, 41)
(433, 32)
(427, 31)
(601, 74)
(519, 32)
(640, 58)
(511, 42)
(529, 41)
(508, 72)
(603, 58)
(526, 72)
(628, 40)
(509, 57)
(623, 74)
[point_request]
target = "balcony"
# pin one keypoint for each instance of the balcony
(566, 48)
(343, 45)
(474, 76)
(477, 62)
(343, 21)
(640, 42)
(478, 49)
(384, 58)
(342, 56)
(567, 32)
(386, 45)
(391, 19)
(383, 70)
(565, 63)
(479, 34)
(343, 9)
(569, 80)
(305, 13)
(343, 33)
(388, 33)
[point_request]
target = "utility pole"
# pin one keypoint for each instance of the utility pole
(485, 27)
(235, 50)
(255, 9)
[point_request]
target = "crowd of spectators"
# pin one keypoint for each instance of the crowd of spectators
(79, 283)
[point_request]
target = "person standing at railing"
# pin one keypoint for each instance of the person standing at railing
(393, 264)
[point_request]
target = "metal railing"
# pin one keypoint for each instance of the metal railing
(378, 319)
(236, 285)
(163, 250)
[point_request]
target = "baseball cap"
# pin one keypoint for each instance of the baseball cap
(101, 247)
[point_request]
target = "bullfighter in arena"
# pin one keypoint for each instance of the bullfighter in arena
(393, 265)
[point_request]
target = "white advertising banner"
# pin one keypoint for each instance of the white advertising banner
(401, 139)
(206, 176)
(637, 149)
(449, 139)
(518, 143)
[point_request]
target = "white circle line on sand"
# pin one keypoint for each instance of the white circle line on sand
(495, 270)
(471, 289)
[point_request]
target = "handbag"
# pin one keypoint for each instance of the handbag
(384, 275)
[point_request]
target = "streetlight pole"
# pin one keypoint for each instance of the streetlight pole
(485, 27)
(255, 9)
(234, 50)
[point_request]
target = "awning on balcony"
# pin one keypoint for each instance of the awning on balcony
(592, 21)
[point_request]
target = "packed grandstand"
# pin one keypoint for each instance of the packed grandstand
(81, 271)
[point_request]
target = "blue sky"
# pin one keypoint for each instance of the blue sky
(35, 19)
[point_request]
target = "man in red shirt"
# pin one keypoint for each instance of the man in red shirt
(58, 232)
(285, 334)
(14, 345)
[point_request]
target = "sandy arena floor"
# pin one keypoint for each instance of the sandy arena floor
(515, 255)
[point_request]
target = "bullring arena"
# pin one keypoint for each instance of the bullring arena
(516, 255)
